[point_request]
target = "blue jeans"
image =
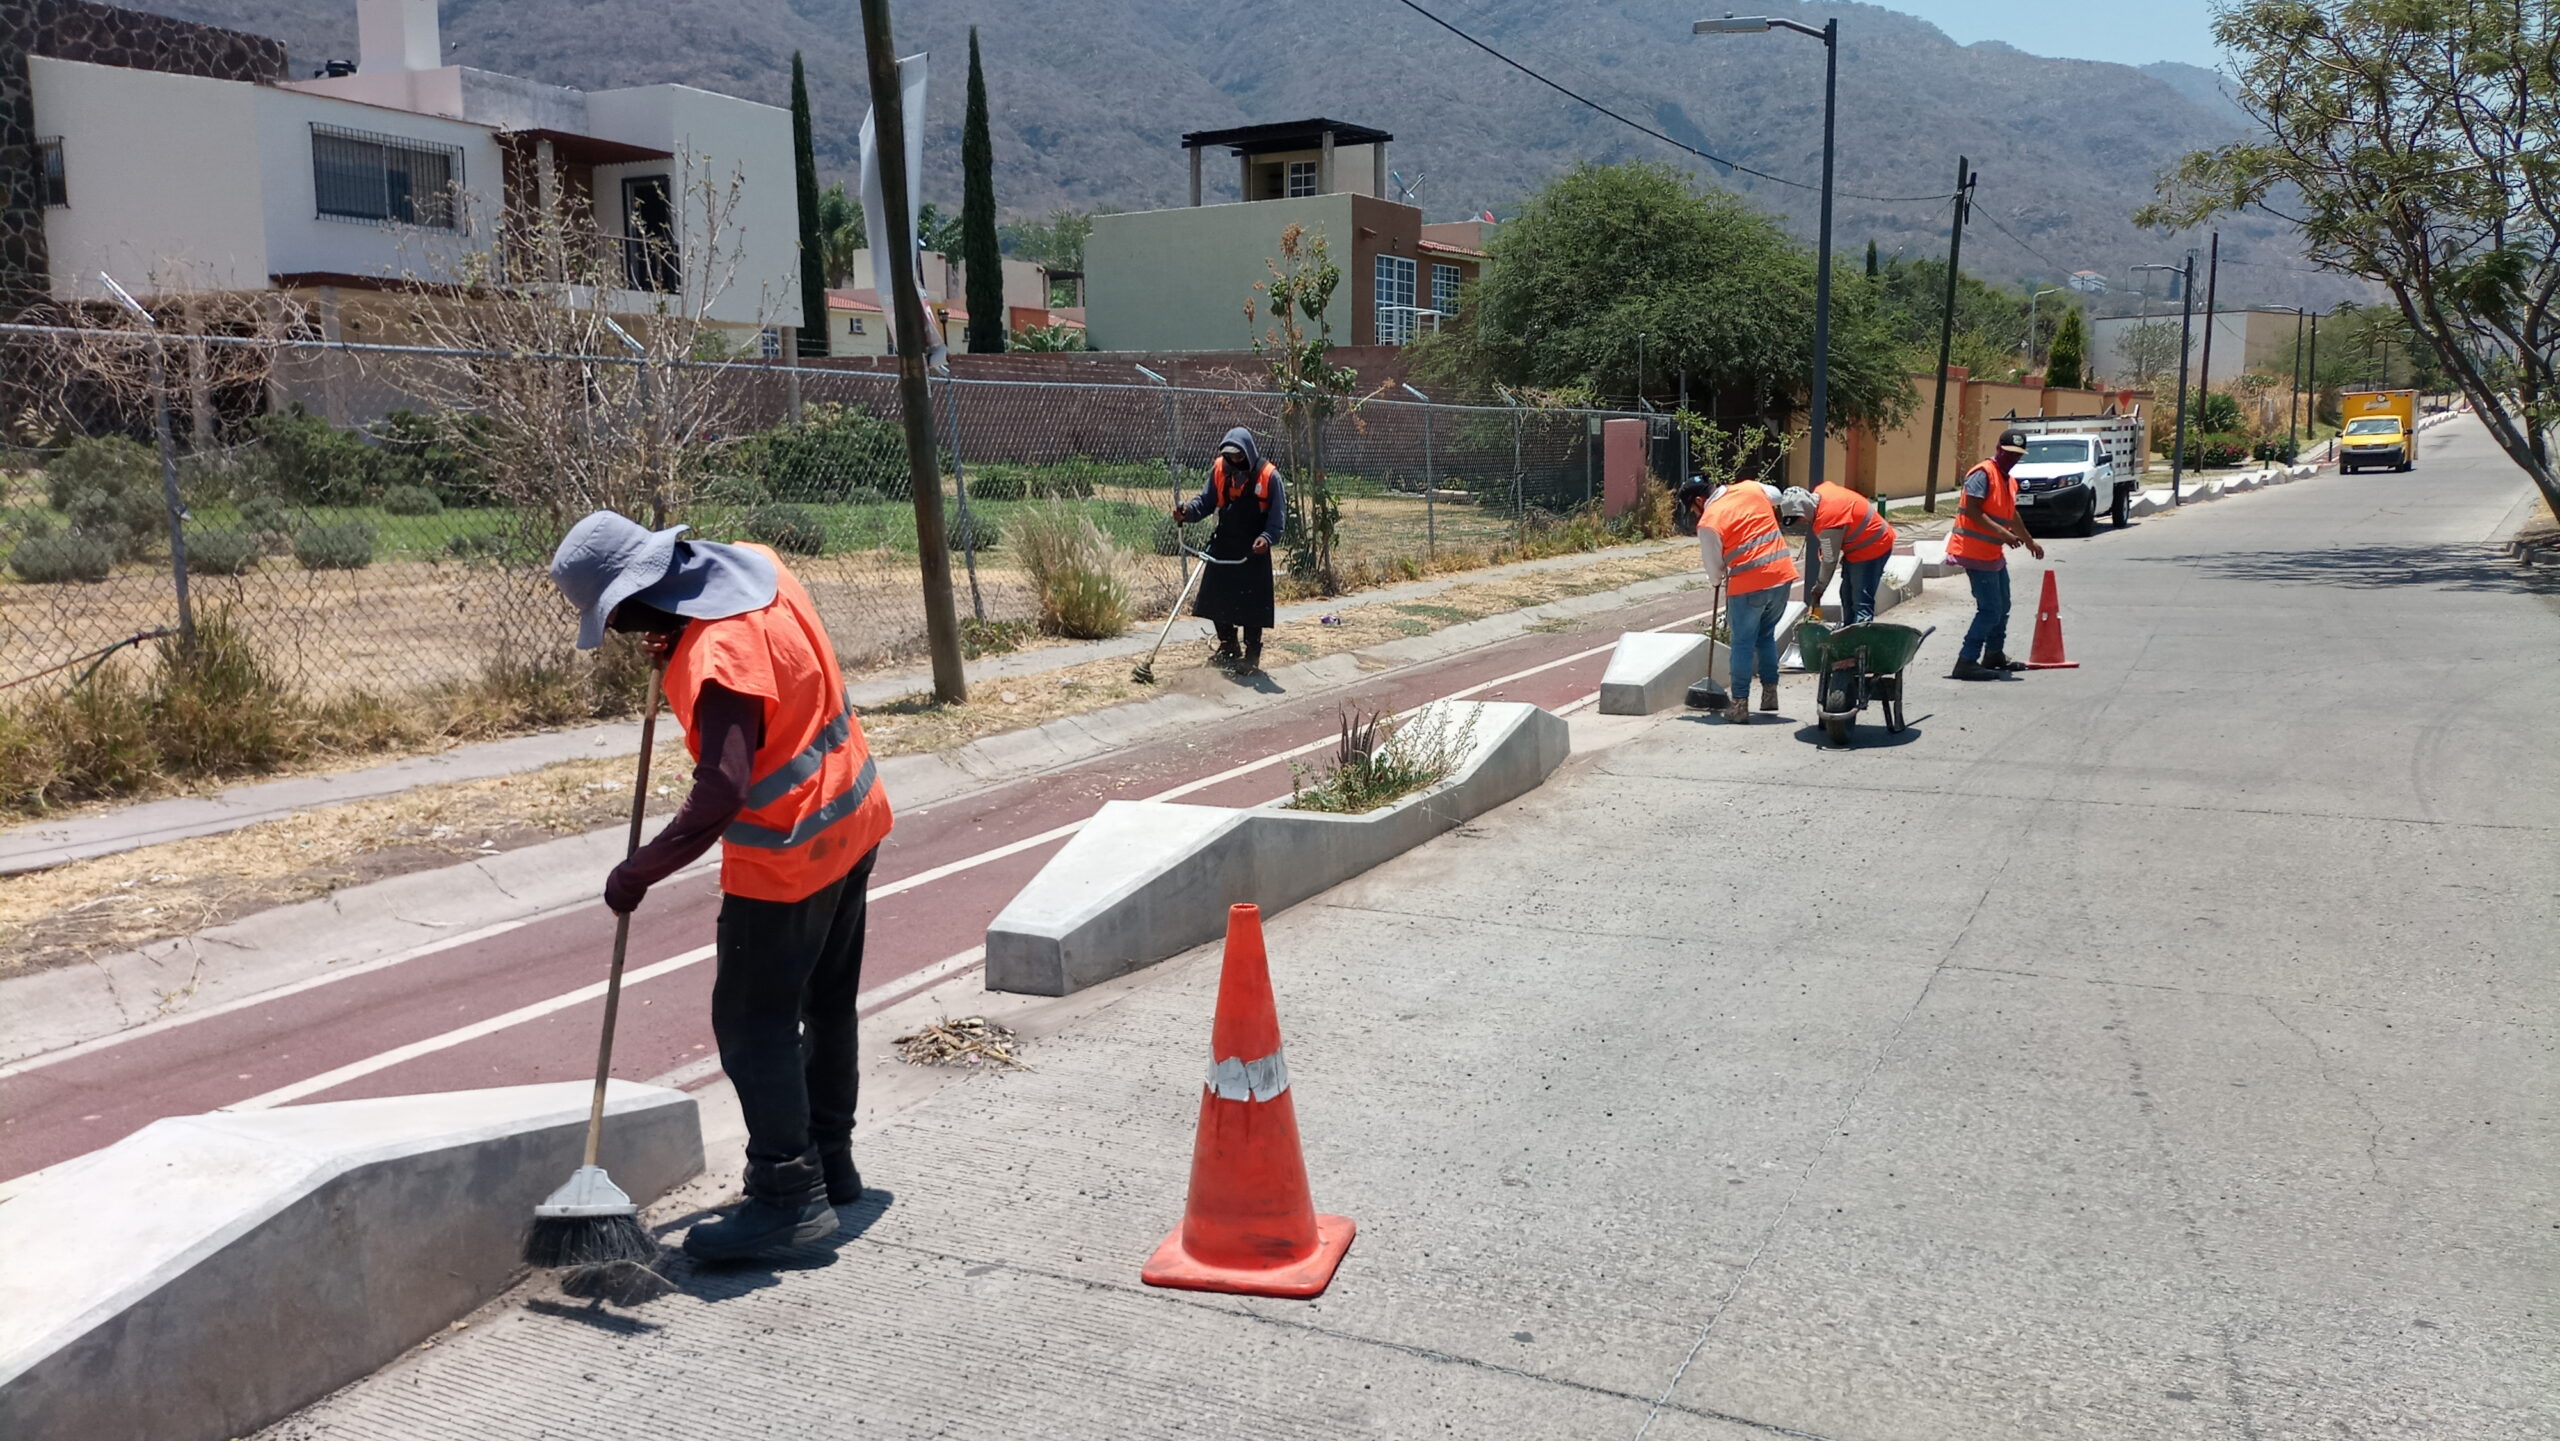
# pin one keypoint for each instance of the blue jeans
(1990, 629)
(1752, 621)
(1858, 582)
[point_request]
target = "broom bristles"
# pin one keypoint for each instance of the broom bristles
(556, 1241)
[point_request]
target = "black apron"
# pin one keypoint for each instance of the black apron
(1238, 594)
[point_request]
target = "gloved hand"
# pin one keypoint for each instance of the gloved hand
(623, 890)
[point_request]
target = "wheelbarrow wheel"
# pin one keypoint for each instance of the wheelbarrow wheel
(1835, 727)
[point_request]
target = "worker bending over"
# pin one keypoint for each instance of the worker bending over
(1986, 526)
(1743, 548)
(783, 780)
(1853, 540)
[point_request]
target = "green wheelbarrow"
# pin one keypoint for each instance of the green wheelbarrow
(1855, 665)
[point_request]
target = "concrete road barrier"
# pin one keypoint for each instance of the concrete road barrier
(1932, 555)
(209, 1274)
(1651, 670)
(2149, 502)
(1147, 880)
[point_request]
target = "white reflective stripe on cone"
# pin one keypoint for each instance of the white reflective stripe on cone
(1237, 1080)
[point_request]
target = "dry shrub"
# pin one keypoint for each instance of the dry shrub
(1079, 573)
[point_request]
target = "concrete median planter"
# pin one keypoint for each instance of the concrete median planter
(210, 1274)
(1147, 880)
(1651, 670)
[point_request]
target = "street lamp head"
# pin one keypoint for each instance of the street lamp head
(1732, 25)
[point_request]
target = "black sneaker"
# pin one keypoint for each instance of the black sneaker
(844, 1178)
(761, 1226)
(1970, 670)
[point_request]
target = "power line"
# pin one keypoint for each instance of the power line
(1581, 99)
(2022, 245)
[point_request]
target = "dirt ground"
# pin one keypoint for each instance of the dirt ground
(96, 907)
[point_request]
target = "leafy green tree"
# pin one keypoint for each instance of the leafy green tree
(813, 261)
(978, 249)
(1912, 296)
(1298, 348)
(840, 233)
(2069, 356)
(1607, 253)
(2417, 144)
(936, 231)
(2150, 353)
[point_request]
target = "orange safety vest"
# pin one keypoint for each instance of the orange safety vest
(815, 806)
(1979, 544)
(1218, 482)
(1745, 523)
(1837, 507)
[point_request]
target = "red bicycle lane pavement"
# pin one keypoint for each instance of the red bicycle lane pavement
(934, 892)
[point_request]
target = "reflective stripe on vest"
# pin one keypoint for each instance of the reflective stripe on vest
(1766, 550)
(1870, 531)
(1972, 542)
(787, 777)
(813, 825)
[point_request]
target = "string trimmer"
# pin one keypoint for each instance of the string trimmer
(1145, 674)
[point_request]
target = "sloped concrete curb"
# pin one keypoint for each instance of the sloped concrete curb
(1147, 880)
(209, 1274)
(1651, 670)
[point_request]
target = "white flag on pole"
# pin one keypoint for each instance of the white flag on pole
(911, 80)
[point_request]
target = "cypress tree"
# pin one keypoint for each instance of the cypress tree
(978, 248)
(2070, 349)
(813, 255)
(1872, 267)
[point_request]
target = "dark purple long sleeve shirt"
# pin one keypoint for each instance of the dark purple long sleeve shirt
(731, 727)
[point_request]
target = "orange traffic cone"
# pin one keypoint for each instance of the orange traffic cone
(2046, 653)
(1250, 1228)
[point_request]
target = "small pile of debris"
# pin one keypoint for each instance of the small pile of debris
(967, 1041)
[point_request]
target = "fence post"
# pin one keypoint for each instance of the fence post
(1519, 496)
(1430, 479)
(960, 487)
(1173, 479)
(168, 461)
(791, 365)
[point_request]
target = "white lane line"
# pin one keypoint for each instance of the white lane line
(543, 1008)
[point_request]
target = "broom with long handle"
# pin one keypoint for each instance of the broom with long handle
(590, 1221)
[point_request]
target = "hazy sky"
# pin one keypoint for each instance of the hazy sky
(2079, 29)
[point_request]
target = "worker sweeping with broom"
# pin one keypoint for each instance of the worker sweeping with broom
(1742, 547)
(1245, 494)
(783, 780)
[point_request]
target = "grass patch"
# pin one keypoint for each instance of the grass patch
(1079, 573)
(1379, 760)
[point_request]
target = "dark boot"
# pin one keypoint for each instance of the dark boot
(1970, 670)
(786, 1206)
(1998, 661)
(844, 1178)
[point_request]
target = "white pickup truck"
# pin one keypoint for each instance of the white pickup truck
(2076, 469)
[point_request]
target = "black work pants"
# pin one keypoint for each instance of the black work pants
(782, 1012)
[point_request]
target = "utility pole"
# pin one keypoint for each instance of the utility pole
(915, 400)
(1947, 327)
(2293, 403)
(2312, 421)
(2212, 280)
(2186, 328)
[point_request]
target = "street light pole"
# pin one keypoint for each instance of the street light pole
(2034, 295)
(1819, 421)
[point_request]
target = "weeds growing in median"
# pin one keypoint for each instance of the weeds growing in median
(1079, 573)
(1379, 759)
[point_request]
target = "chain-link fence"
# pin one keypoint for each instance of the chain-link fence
(373, 532)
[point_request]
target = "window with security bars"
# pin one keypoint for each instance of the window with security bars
(1394, 299)
(361, 176)
(56, 183)
(1302, 178)
(1444, 288)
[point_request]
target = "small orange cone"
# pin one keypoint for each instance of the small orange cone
(1250, 1227)
(2046, 653)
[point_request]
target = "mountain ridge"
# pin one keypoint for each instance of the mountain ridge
(1089, 112)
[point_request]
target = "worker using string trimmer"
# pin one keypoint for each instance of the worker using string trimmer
(1245, 494)
(1986, 526)
(783, 780)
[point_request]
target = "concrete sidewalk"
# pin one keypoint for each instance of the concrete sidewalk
(45, 844)
(2119, 1053)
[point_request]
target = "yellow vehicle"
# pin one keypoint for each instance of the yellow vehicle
(2381, 431)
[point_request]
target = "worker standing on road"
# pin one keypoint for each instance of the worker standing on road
(1742, 546)
(1853, 540)
(783, 779)
(1245, 494)
(1986, 526)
